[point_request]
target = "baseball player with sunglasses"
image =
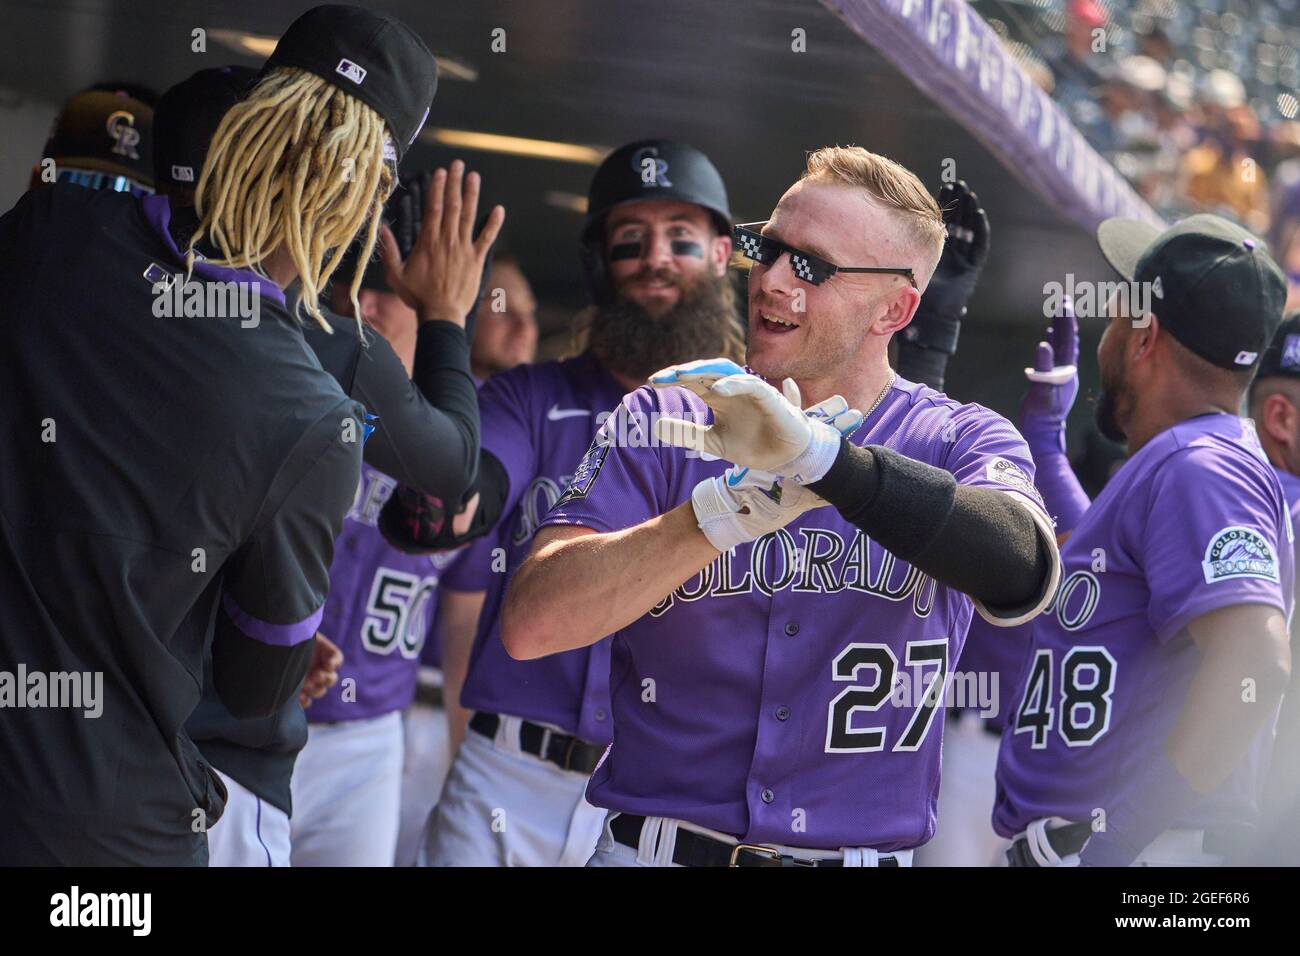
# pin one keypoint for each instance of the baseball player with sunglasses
(656, 245)
(787, 593)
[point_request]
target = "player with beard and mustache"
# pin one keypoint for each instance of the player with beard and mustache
(632, 337)
(656, 247)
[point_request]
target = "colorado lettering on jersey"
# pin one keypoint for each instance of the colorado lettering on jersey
(1075, 600)
(539, 497)
(820, 564)
(373, 491)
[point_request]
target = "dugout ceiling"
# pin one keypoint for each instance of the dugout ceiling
(717, 73)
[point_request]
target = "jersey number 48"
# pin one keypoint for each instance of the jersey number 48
(1087, 682)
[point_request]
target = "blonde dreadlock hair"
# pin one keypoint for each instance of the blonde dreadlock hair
(297, 163)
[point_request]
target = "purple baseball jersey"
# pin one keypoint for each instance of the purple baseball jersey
(380, 607)
(538, 420)
(1290, 490)
(787, 693)
(1193, 522)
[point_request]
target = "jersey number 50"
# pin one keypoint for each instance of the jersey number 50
(1087, 682)
(841, 736)
(395, 613)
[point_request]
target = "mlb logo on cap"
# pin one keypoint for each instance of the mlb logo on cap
(183, 174)
(352, 71)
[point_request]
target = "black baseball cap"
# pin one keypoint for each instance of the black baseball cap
(106, 131)
(375, 58)
(655, 169)
(1213, 284)
(1282, 357)
(187, 116)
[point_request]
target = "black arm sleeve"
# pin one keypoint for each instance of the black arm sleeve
(275, 584)
(427, 433)
(417, 524)
(255, 679)
(976, 540)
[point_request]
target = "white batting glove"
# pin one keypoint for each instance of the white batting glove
(742, 504)
(754, 425)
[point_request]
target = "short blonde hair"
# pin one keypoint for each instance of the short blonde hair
(893, 186)
(299, 163)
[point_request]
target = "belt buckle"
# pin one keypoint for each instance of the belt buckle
(753, 848)
(569, 748)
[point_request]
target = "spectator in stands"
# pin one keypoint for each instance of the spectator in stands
(1221, 175)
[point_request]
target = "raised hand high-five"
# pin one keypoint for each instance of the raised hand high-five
(1054, 378)
(440, 278)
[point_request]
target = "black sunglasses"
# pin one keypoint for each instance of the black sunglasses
(811, 269)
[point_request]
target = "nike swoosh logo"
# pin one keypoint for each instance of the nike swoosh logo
(555, 413)
(737, 478)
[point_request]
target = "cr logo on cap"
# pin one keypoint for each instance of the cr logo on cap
(652, 170)
(121, 126)
(352, 71)
(1291, 352)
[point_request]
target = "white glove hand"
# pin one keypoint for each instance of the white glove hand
(742, 504)
(754, 425)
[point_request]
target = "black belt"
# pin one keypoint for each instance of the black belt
(1063, 840)
(1071, 838)
(696, 849)
(565, 751)
(430, 695)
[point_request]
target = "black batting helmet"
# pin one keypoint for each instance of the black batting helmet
(647, 169)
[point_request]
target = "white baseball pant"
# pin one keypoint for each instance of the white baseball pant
(424, 768)
(250, 833)
(503, 807)
(347, 792)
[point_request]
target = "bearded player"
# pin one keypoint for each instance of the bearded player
(761, 716)
(656, 247)
(1144, 715)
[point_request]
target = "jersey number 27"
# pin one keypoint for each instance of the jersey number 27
(882, 663)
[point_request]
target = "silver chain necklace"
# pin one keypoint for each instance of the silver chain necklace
(881, 397)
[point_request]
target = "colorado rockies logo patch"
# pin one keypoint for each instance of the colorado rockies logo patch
(1008, 472)
(588, 470)
(1238, 552)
